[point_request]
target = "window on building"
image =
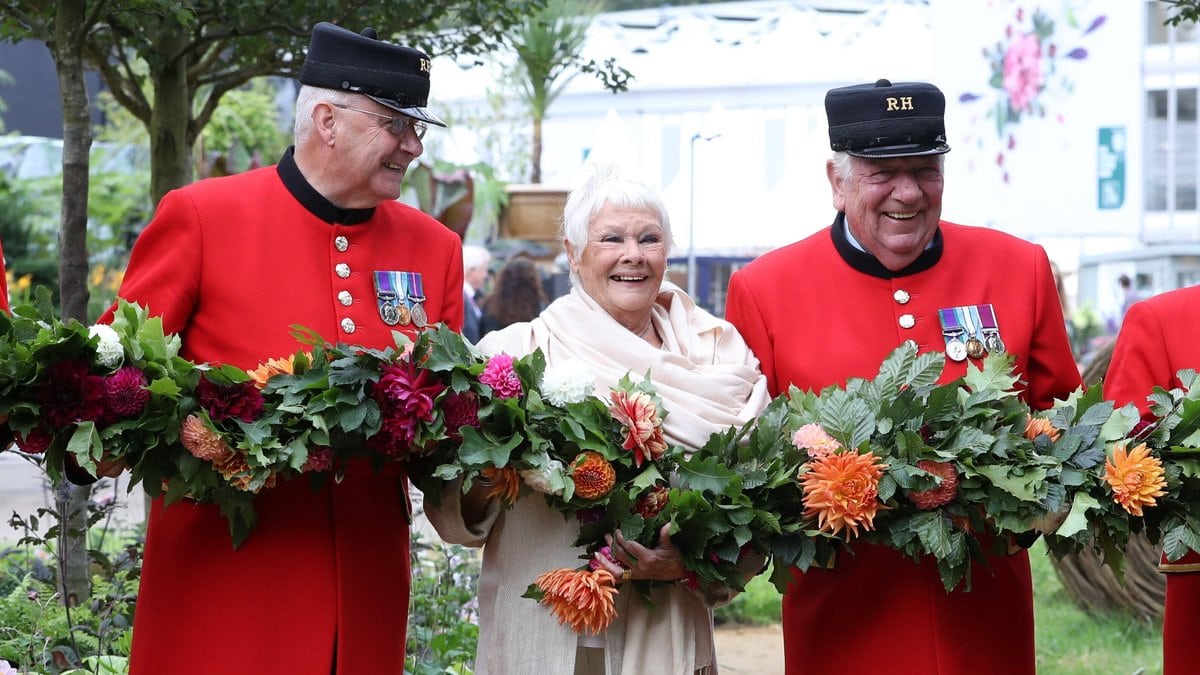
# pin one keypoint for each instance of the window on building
(1172, 159)
(1158, 32)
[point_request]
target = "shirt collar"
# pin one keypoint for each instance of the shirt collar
(314, 201)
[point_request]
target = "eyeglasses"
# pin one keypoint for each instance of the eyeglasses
(395, 125)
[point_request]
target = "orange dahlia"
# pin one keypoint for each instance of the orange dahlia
(594, 476)
(841, 491)
(1038, 426)
(582, 599)
(1136, 478)
(238, 473)
(506, 483)
(271, 368)
(202, 441)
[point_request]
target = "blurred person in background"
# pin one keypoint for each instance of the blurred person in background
(517, 295)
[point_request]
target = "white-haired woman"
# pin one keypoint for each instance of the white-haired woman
(620, 317)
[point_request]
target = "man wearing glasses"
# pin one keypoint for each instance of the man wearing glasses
(321, 585)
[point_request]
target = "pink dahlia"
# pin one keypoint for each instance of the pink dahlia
(125, 391)
(499, 375)
(243, 401)
(71, 394)
(813, 439)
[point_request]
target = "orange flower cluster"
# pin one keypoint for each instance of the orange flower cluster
(583, 599)
(1039, 426)
(271, 368)
(506, 484)
(206, 444)
(643, 427)
(841, 491)
(1136, 478)
(593, 475)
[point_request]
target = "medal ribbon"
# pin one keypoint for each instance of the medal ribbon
(987, 319)
(383, 285)
(416, 289)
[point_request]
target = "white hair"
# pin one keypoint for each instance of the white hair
(307, 100)
(475, 257)
(606, 186)
(843, 164)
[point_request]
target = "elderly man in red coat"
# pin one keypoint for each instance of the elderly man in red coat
(1157, 340)
(321, 585)
(833, 306)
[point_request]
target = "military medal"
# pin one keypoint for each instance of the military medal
(402, 301)
(951, 332)
(389, 299)
(416, 296)
(975, 348)
(991, 330)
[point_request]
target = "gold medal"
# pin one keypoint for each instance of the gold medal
(975, 348)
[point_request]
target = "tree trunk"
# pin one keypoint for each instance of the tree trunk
(535, 175)
(71, 500)
(170, 146)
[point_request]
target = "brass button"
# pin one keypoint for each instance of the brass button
(901, 296)
(342, 270)
(348, 325)
(341, 243)
(907, 321)
(345, 298)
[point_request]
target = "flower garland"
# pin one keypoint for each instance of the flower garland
(951, 472)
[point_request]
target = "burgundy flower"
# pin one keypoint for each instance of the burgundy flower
(35, 441)
(589, 516)
(71, 394)
(125, 391)
(461, 410)
(243, 401)
(320, 458)
(405, 396)
(499, 375)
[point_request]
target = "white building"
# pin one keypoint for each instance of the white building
(1088, 146)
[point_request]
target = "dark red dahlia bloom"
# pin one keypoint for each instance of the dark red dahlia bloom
(125, 391)
(320, 458)
(35, 441)
(71, 394)
(243, 401)
(405, 396)
(461, 410)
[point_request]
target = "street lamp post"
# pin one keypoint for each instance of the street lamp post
(691, 257)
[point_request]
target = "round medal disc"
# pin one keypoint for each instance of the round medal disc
(975, 348)
(956, 350)
(402, 315)
(994, 343)
(419, 318)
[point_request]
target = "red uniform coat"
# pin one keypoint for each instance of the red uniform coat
(3, 284)
(818, 312)
(230, 264)
(1158, 339)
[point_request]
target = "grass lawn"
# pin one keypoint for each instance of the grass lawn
(1069, 640)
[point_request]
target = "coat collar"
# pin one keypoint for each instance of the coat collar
(312, 200)
(868, 264)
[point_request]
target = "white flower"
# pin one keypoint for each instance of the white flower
(549, 479)
(569, 382)
(7, 668)
(109, 351)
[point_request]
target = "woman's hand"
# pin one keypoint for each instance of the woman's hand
(661, 563)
